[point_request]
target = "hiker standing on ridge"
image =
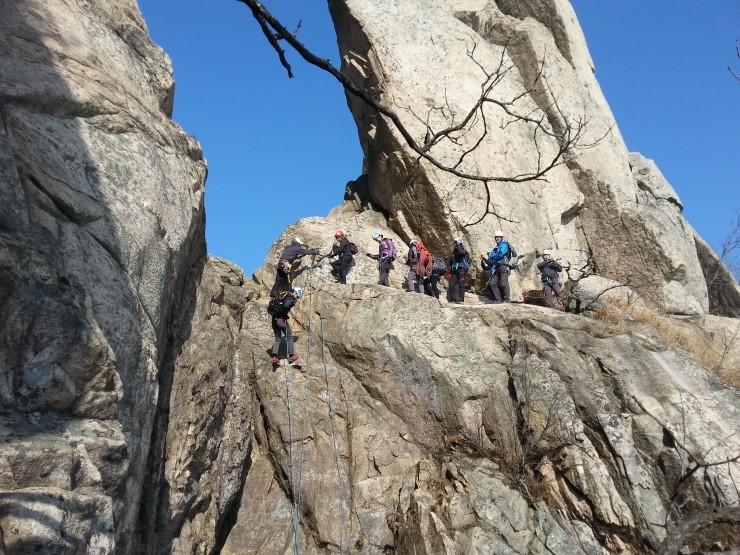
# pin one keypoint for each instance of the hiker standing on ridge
(439, 268)
(278, 308)
(496, 263)
(385, 257)
(343, 248)
(423, 268)
(459, 265)
(286, 266)
(550, 270)
(412, 259)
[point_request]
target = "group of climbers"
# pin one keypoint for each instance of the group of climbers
(423, 275)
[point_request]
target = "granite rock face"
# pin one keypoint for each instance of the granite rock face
(420, 426)
(102, 207)
(141, 412)
(429, 60)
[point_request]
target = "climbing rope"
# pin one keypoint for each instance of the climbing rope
(297, 482)
(333, 432)
(288, 380)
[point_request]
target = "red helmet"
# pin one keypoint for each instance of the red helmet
(339, 233)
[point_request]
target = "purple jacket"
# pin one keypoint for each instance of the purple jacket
(385, 249)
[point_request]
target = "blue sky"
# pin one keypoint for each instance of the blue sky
(281, 149)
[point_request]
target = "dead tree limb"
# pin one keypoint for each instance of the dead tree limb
(566, 140)
(737, 50)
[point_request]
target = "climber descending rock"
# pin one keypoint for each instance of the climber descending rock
(279, 308)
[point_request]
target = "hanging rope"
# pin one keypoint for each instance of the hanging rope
(333, 433)
(288, 380)
(298, 484)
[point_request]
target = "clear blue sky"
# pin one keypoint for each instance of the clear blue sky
(281, 149)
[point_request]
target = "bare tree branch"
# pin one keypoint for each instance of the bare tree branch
(737, 50)
(567, 140)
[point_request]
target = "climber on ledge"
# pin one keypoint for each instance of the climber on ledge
(286, 268)
(423, 269)
(278, 308)
(412, 260)
(459, 265)
(386, 255)
(496, 264)
(550, 270)
(344, 249)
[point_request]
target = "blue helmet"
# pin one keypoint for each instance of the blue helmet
(377, 234)
(298, 292)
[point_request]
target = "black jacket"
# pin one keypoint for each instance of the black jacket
(340, 249)
(550, 269)
(459, 259)
(294, 252)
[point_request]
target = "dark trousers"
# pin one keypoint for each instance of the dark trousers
(386, 264)
(456, 290)
(341, 266)
(282, 331)
(430, 285)
(552, 290)
(499, 284)
(282, 283)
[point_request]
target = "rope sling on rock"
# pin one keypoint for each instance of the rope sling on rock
(297, 482)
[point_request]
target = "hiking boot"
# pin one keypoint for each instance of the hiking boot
(276, 360)
(292, 358)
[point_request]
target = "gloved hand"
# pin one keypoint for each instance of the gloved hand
(368, 254)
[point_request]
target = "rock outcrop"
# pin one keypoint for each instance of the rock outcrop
(430, 60)
(101, 212)
(419, 427)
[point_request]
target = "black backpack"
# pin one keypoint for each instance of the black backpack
(439, 266)
(352, 249)
(280, 304)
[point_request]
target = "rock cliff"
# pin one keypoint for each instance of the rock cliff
(141, 413)
(101, 217)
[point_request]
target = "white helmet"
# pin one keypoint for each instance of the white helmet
(458, 240)
(298, 292)
(377, 234)
(412, 242)
(297, 241)
(498, 233)
(546, 251)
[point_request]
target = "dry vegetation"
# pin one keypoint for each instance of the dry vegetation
(712, 350)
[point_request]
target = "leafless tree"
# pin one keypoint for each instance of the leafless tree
(568, 134)
(729, 253)
(737, 51)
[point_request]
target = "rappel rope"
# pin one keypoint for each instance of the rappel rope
(333, 434)
(297, 485)
(288, 380)
(297, 482)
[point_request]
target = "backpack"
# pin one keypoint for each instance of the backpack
(393, 248)
(438, 265)
(352, 248)
(512, 258)
(280, 304)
